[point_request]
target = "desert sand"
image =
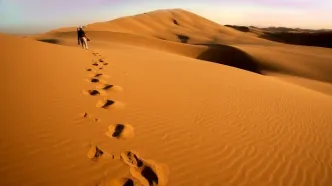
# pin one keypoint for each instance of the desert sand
(164, 98)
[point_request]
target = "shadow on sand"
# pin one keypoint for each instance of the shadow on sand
(52, 41)
(230, 56)
(320, 39)
(183, 38)
(239, 28)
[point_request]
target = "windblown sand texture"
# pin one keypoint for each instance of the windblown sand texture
(164, 98)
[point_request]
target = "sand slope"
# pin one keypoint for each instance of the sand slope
(209, 41)
(140, 110)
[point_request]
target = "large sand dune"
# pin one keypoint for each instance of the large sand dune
(145, 107)
(208, 41)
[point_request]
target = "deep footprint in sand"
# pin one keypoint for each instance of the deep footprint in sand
(120, 131)
(130, 158)
(94, 80)
(95, 92)
(108, 104)
(147, 173)
(105, 104)
(95, 153)
(95, 64)
(91, 92)
(101, 60)
(98, 81)
(109, 87)
(98, 75)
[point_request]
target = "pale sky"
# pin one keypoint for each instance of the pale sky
(37, 16)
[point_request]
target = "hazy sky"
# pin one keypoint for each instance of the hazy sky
(31, 16)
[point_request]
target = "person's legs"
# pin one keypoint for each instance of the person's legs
(82, 42)
(85, 43)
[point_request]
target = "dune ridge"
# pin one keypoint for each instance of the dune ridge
(140, 110)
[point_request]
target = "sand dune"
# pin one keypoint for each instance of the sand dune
(136, 109)
(211, 42)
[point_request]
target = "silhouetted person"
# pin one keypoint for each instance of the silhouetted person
(82, 38)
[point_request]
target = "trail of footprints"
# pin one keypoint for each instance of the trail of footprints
(143, 172)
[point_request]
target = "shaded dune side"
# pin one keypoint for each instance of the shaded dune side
(230, 56)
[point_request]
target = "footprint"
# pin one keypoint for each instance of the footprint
(109, 87)
(147, 173)
(95, 153)
(105, 64)
(120, 131)
(101, 60)
(88, 116)
(99, 81)
(92, 69)
(95, 64)
(98, 75)
(94, 80)
(131, 159)
(150, 175)
(107, 104)
(93, 92)
(106, 87)
(101, 68)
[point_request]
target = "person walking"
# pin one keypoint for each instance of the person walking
(82, 39)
